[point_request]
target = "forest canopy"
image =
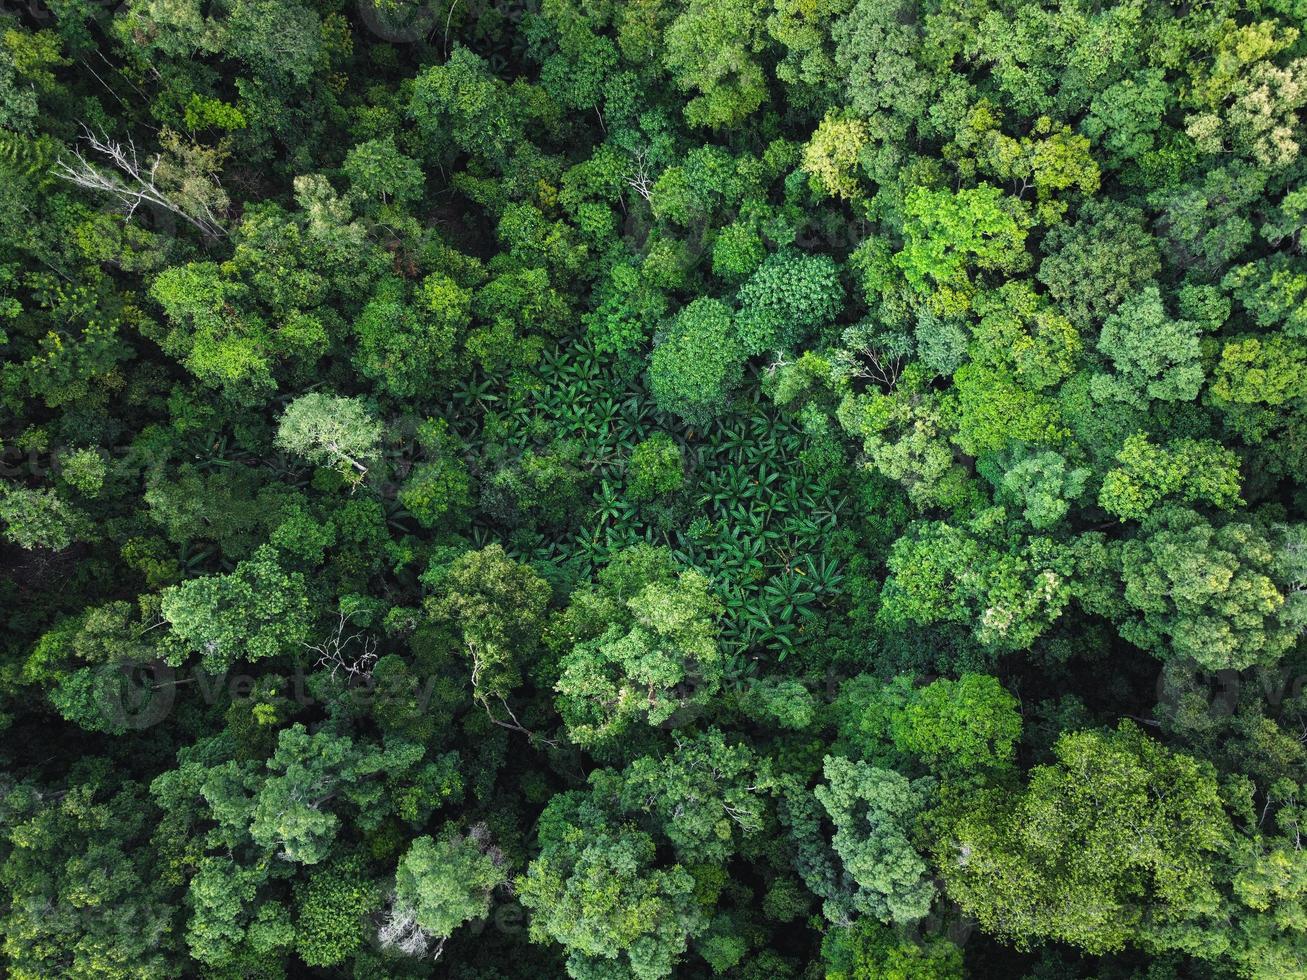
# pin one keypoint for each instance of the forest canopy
(630, 489)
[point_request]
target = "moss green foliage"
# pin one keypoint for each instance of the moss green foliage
(329, 924)
(633, 489)
(1067, 817)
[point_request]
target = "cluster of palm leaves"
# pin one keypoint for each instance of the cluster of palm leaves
(751, 515)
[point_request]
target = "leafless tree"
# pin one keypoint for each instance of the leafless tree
(640, 181)
(131, 181)
(878, 366)
(399, 931)
(353, 653)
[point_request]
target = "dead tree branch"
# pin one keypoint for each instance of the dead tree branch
(130, 181)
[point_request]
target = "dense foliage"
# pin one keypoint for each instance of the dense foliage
(507, 489)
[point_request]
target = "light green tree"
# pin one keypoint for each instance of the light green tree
(1204, 592)
(1116, 836)
(331, 430)
(257, 610)
(445, 882)
(1187, 471)
(705, 794)
(1155, 357)
(597, 889)
(644, 651)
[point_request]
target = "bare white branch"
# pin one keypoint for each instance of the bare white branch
(123, 177)
(640, 181)
(399, 931)
(340, 652)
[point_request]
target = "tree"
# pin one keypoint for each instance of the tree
(280, 42)
(948, 235)
(85, 897)
(1093, 264)
(1188, 471)
(1204, 592)
(461, 105)
(808, 67)
(19, 106)
(438, 489)
(404, 344)
(868, 949)
(1272, 291)
(1257, 380)
(789, 297)
(1126, 118)
(904, 430)
(1155, 357)
(702, 795)
(872, 810)
(713, 48)
(182, 180)
(376, 169)
(781, 701)
(875, 54)
(831, 156)
(226, 923)
(258, 610)
(1269, 889)
(1051, 159)
(1044, 486)
(995, 411)
(1205, 221)
(643, 648)
(697, 362)
(84, 470)
(86, 664)
(705, 181)
(1250, 102)
(331, 430)
(221, 341)
(540, 488)
(498, 606)
(596, 889)
(580, 58)
(1021, 334)
(511, 310)
(657, 468)
(285, 813)
(1111, 843)
(1010, 591)
(958, 727)
(631, 302)
(40, 518)
(331, 911)
(443, 883)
